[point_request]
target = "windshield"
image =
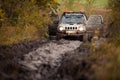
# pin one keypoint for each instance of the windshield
(94, 20)
(73, 19)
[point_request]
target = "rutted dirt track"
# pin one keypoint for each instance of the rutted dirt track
(53, 60)
(44, 62)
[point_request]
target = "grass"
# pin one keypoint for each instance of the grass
(106, 62)
(102, 3)
(13, 35)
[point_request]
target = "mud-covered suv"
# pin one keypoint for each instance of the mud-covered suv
(95, 27)
(72, 24)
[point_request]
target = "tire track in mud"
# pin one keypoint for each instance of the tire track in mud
(43, 63)
(74, 66)
(52, 60)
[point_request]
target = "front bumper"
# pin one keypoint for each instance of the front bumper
(74, 33)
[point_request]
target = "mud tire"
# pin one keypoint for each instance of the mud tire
(58, 37)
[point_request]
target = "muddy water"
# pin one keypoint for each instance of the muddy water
(44, 62)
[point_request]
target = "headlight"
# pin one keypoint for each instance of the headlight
(61, 28)
(82, 28)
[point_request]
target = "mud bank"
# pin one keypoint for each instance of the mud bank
(9, 55)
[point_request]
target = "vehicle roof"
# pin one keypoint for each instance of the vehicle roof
(75, 13)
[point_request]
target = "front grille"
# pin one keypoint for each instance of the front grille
(70, 28)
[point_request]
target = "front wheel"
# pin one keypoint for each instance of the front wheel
(59, 37)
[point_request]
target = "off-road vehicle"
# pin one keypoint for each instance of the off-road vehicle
(77, 24)
(95, 26)
(72, 24)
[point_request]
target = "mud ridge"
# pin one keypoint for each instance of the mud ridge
(9, 67)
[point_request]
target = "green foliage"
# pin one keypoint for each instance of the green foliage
(102, 3)
(21, 12)
(71, 4)
(2, 17)
(114, 28)
(44, 3)
(65, 5)
(89, 5)
(8, 6)
(106, 59)
(23, 20)
(29, 14)
(114, 5)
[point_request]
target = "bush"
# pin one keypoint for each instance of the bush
(24, 21)
(106, 62)
(2, 17)
(114, 27)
